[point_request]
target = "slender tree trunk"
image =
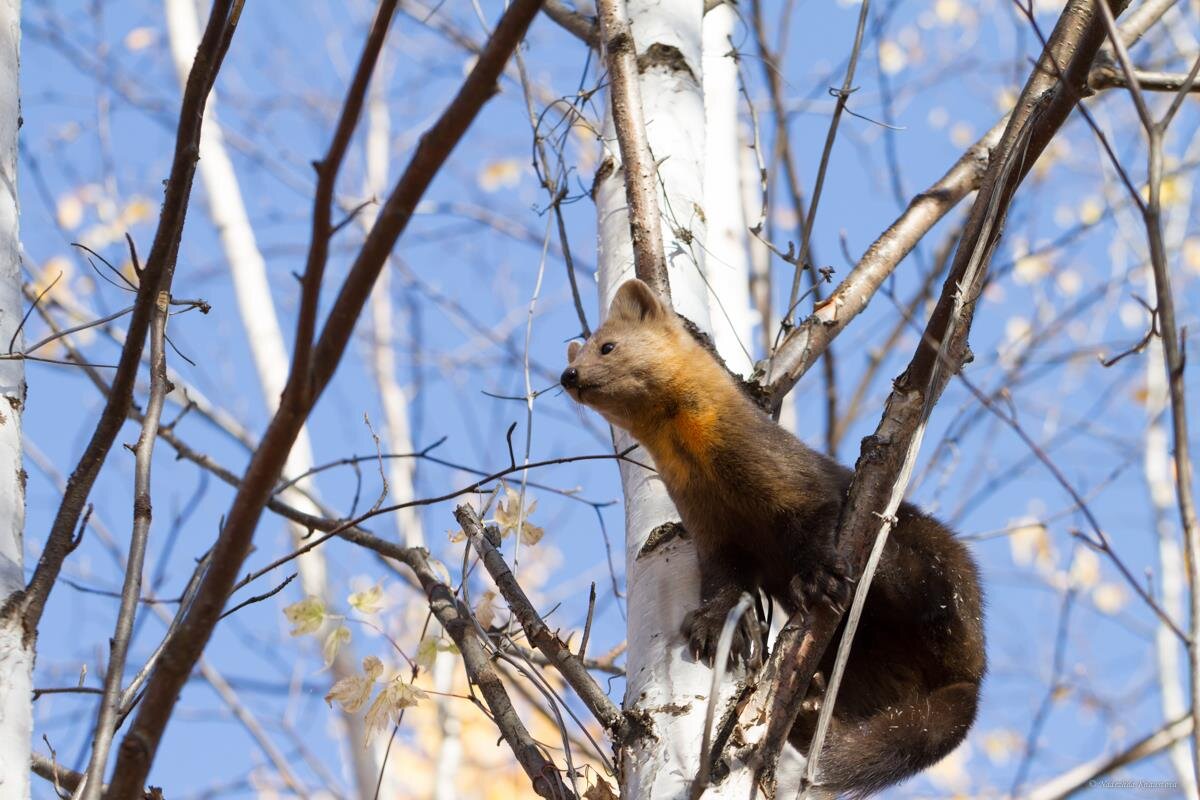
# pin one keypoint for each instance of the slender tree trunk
(397, 437)
(727, 255)
(264, 337)
(662, 577)
(1156, 464)
(16, 649)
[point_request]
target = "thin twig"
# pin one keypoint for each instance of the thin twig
(303, 390)
(569, 665)
(156, 277)
(1083, 776)
(888, 456)
(843, 96)
(720, 663)
(131, 588)
(1173, 342)
(802, 347)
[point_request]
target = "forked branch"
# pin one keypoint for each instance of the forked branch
(304, 388)
(886, 460)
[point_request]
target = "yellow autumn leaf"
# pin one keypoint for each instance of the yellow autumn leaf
(961, 134)
(600, 790)
(1030, 544)
(1016, 329)
(1090, 211)
(1031, 269)
(333, 643)
(385, 710)
(1085, 569)
(140, 38)
(504, 173)
(353, 691)
(1000, 745)
(439, 569)
(1191, 254)
(69, 211)
(531, 534)
(891, 57)
(427, 652)
(57, 272)
(947, 10)
(369, 601)
(485, 611)
(1133, 316)
(511, 518)
(1069, 282)
(137, 210)
(306, 616)
(1171, 190)
(1006, 98)
(1109, 598)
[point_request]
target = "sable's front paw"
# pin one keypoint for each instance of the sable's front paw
(702, 629)
(825, 583)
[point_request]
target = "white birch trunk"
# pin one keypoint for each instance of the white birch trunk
(760, 256)
(1158, 469)
(247, 268)
(16, 654)
(398, 439)
(662, 583)
(265, 340)
(392, 397)
(1156, 465)
(727, 253)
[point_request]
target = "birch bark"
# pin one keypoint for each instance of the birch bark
(664, 690)
(727, 255)
(16, 650)
(398, 439)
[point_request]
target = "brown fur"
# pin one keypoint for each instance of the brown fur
(763, 509)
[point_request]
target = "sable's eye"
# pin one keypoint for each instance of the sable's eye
(607, 348)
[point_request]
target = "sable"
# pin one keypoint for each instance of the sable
(763, 510)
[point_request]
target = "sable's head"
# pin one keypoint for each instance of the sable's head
(625, 369)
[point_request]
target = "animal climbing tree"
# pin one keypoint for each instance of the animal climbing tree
(317, 272)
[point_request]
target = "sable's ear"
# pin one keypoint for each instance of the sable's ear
(635, 302)
(573, 349)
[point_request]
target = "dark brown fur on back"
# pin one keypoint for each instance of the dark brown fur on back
(763, 509)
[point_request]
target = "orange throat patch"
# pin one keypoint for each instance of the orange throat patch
(682, 445)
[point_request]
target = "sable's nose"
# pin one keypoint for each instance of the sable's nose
(570, 378)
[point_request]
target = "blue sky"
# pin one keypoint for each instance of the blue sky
(99, 99)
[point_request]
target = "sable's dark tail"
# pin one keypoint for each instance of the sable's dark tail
(862, 757)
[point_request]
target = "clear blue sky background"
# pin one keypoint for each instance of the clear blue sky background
(97, 111)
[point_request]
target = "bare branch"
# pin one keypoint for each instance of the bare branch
(539, 634)
(156, 277)
(61, 776)
(641, 172)
(457, 620)
(141, 741)
(131, 589)
(802, 347)
(1172, 341)
(887, 457)
(843, 96)
(1108, 76)
(299, 385)
(581, 26)
(1081, 777)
